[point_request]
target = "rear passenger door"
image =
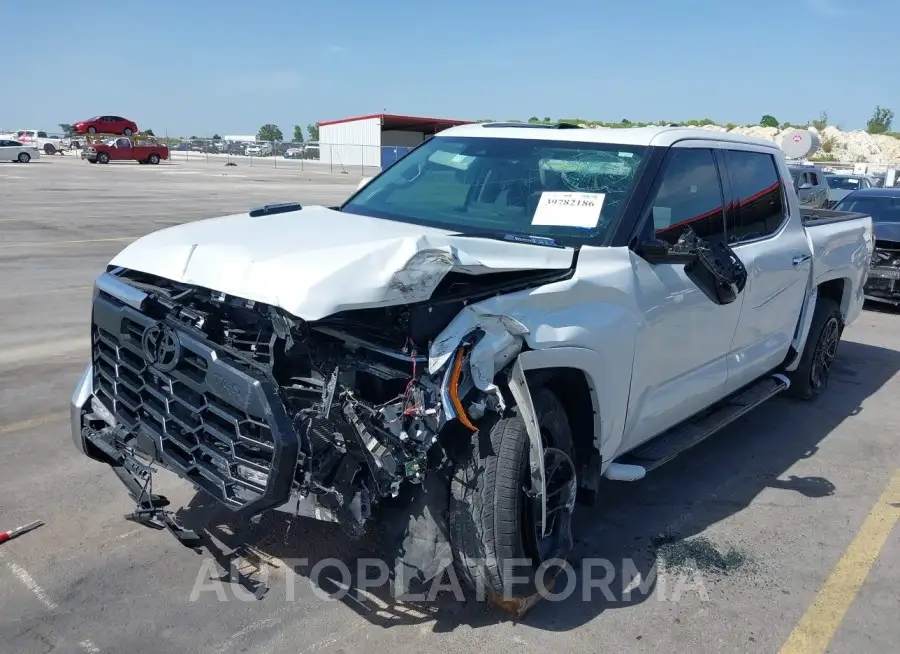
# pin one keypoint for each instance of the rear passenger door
(774, 248)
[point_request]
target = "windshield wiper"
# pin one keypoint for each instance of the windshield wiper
(529, 239)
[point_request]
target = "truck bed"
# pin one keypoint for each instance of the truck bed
(842, 243)
(824, 216)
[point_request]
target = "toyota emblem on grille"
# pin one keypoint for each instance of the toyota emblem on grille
(161, 346)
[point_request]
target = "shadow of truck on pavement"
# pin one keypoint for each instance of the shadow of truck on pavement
(634, 522)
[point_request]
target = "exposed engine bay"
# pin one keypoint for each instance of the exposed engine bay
(355, 388)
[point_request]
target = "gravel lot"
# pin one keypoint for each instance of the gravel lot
(755, 520)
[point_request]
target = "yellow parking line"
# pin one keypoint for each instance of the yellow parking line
(820, 622)
(31, 423)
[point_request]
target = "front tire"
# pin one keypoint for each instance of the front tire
(49, 149)
(103, 158)
(23, 157)
(812, 375)
(494, 529)
(92, 130)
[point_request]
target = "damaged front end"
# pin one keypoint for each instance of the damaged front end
(264, 411)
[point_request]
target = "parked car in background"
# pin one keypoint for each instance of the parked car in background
(16, 151)
(810, 184)
(883, 204)
(311, 150)
(258, 150)
(839, 185)
(145, 151)
(38, 139)
(106, 125)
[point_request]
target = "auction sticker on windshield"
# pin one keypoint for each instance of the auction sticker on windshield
(564, 209)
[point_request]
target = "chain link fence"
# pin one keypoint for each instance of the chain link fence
(356, 160)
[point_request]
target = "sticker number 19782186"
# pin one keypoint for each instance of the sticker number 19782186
(563, 209)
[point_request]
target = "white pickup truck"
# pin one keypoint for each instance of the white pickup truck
(503, 316)
(37, 139)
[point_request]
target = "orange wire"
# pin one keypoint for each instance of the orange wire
(454, 391)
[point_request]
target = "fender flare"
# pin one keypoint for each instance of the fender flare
(605, 434)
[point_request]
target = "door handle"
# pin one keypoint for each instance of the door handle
(800, 259)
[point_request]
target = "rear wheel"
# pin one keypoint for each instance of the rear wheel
(23, 157)
(128, 131)
(495, 528)
(812, 375)
(103, 158)
(49, 149)
(153, 158)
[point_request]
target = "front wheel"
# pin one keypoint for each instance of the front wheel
(24, 157)
(103, 158)
(49, 149)
(495, 527)
(812, 375)
(92, 130)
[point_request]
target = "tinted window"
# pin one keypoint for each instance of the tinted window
(844, 183)
(814, 178)
(559, 189)
(690, 195)
(882, 210)
(42, 135)
(758, 195)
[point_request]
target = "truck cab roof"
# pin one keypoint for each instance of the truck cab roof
(646, 136)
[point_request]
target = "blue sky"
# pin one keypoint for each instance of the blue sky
(195, 67)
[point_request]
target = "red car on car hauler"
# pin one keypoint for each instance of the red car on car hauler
(124, 149)
(106, 125)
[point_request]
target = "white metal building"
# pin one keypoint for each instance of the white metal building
(375, 140)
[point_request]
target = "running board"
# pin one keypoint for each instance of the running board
(668, 445)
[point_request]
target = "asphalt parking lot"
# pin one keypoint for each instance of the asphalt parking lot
(773, 536)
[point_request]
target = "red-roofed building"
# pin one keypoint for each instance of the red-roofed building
(376, 140)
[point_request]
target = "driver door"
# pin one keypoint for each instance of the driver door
(683, 339)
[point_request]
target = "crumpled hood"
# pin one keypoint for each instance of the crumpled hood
(316, 261)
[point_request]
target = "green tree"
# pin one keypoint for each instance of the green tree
(313, 131)
(547, 119)
(149, 132)
(768, 121)
(216, 137)
(269, 132)
(822, 122)
(298, 134)
(66, 129)
(534, 119)
(881, 120)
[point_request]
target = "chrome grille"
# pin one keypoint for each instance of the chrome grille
(212, 419)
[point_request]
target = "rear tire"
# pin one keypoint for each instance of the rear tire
(812, 375)
(127, 131)
(491, 523)
(103, 158)
(153, 159)
(49, 149)
(23, 157)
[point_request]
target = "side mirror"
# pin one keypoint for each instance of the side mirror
(658, 251)
(805, 186)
